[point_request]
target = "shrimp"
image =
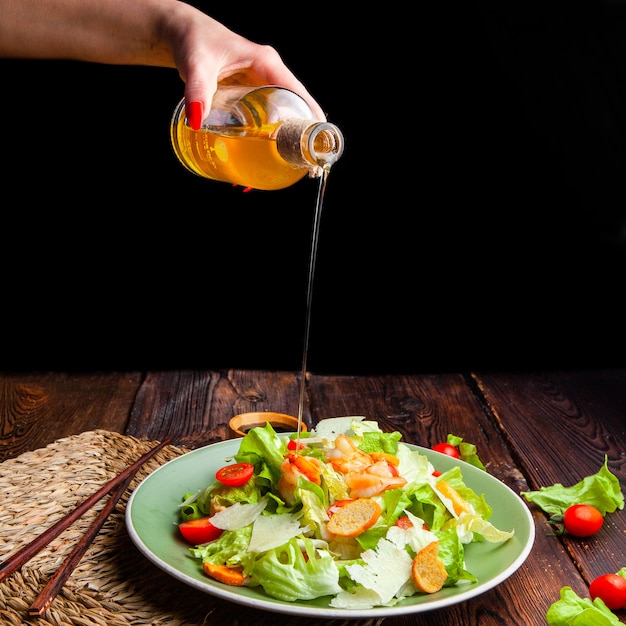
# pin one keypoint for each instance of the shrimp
(293, 468)
(346, 457)
(373, 480)
(365, 475)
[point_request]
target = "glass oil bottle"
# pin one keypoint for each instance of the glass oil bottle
(259, 137)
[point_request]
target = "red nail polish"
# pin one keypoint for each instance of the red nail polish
(194, 114)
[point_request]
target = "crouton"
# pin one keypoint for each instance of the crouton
(354, 517)
(428, 571)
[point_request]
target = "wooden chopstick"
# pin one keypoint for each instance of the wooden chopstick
(15, 561)
(55, 583)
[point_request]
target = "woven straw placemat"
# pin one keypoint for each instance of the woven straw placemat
(114, 584)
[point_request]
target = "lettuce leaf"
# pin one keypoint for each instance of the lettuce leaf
(264, 449)
(452, 553)
(467, 451)
(380, 442)
(225, 496)
(571, 610)
(290, 573)
(230, 548)
(601, 490)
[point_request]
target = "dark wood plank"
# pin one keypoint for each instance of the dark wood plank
(560, 426)
(193, 407)
(425, 409)
(37, 409)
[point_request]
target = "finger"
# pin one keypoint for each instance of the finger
(198, 98)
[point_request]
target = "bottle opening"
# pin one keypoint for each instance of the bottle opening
(325, 143)
(313, 145)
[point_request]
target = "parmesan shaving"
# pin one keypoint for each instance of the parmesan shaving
(238, 515)
(272, 531)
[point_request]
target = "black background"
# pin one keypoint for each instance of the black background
(475, 220)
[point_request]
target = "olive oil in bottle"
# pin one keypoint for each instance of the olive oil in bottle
(259, 137)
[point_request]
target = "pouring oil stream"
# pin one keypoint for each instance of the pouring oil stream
(323, 179)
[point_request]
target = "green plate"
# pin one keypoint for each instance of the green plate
(152, 514)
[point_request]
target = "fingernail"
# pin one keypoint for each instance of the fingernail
(194, 114)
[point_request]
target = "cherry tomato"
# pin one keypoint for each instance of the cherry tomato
(235, 475)
(611, 589)
(199, 530)
(447, 448)
(582, 520)
(292, 444)
(404, 522)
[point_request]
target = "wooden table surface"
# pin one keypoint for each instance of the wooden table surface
(531, 430)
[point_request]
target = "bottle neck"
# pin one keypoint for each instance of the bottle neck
(314, 145)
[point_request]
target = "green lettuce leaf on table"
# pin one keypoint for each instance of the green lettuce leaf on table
(572, 610)
(601, 490)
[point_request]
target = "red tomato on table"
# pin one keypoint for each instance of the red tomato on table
(582, 520)
(611, 589)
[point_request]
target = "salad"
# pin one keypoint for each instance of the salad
(345, 511)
